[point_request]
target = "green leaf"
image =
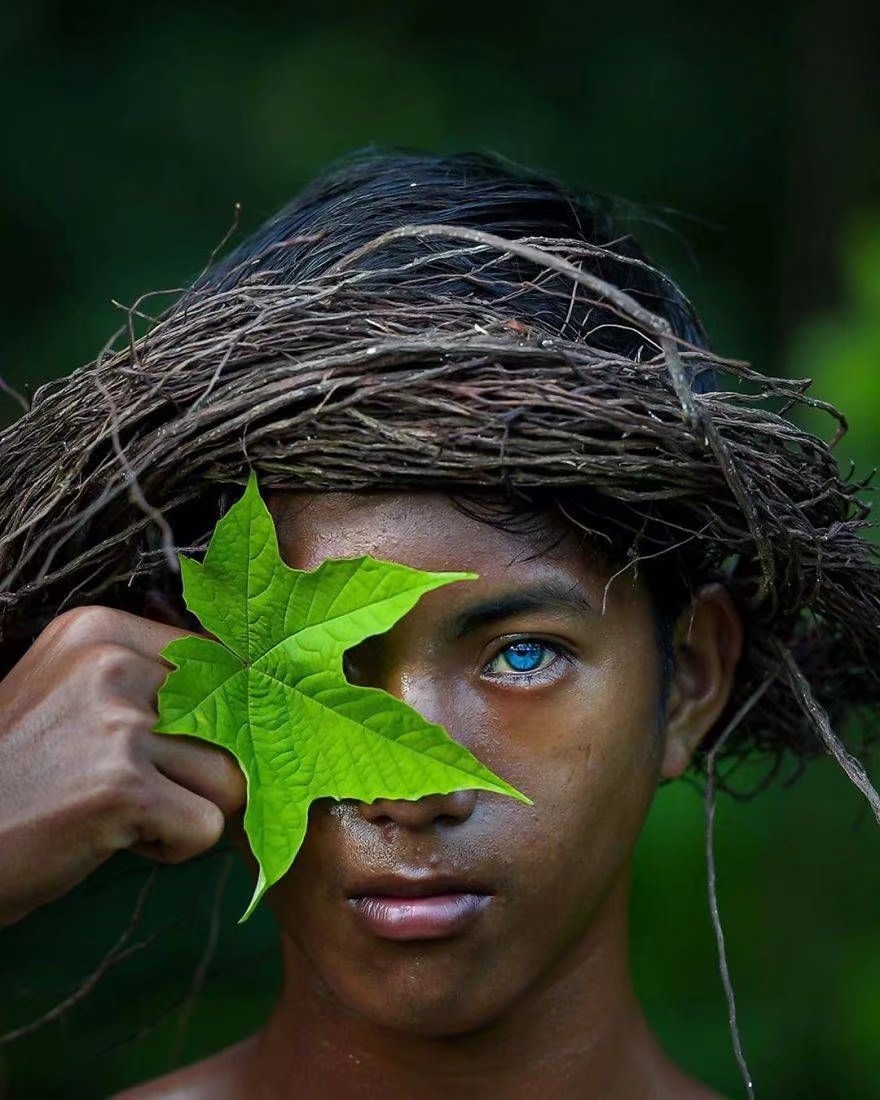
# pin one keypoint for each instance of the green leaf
(273, 692)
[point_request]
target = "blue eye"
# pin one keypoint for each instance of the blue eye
(524, 656)
(529, 655)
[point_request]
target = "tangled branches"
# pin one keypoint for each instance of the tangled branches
(338, 382)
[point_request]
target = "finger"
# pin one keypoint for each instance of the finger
(177, 824)
(207, 770)
(127, 675)
(145, 636)
(96, 624)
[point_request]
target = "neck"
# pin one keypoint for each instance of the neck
(579, 1027)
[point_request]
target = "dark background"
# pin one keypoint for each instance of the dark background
(129, 133)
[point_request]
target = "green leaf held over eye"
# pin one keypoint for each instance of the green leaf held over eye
(273, 692)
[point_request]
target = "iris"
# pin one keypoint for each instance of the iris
(525, 656)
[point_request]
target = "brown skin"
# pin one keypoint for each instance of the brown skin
(79, 708)
(534, 997)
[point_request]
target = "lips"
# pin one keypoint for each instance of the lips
(419, 907)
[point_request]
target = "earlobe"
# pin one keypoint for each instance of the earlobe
(708, 644)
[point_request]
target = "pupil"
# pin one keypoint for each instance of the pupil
(524, 656)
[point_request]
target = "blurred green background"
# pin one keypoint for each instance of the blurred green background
(129, 132)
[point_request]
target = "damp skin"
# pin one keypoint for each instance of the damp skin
(470, 914)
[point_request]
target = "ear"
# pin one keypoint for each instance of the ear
(708, 644)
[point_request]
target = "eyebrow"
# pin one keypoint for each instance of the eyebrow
(548, 595)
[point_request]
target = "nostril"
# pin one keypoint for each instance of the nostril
(361, 663)
(420, 813)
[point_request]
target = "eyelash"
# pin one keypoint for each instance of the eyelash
(526, 677)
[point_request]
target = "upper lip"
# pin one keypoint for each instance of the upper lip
(414, 885)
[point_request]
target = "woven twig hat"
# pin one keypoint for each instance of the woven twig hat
(422, 359)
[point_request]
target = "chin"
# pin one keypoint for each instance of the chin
(426, 1013)
(427, 988)
(423, 992)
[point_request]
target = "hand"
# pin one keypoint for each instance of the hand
(82, 775)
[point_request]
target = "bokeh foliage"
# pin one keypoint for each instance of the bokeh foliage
(129, 136)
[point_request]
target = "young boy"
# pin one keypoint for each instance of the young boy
(539, 412)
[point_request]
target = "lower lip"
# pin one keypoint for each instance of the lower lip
(425, 918)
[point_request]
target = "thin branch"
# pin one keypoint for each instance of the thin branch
(134, 488)
(835, 747)
(15, 394)
(712, 880)
(210, 949)
(175, 1003)
(539, 256)
(221, 244)
(117, 953)
(632, 309)
(388, 376)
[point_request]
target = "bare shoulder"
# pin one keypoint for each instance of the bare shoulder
(219, 1077)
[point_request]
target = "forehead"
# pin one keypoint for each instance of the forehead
(422, 529)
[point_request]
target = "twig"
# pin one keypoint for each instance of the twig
(539, 256)
(117, 953)
(388, 376)
(631, 308)
(175, 1003)
(835, 747)
(210, 949)
(711, 876)
(134, 488)
(221, 244)
(17, 396)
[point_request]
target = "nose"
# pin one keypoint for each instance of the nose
(420, 813)
(377, 663)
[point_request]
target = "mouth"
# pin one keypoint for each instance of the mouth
(400, 907)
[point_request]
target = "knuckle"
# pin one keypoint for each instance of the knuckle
(120, 794)
(106, 663)
(121, 775)
(125, 723)
(81, 625)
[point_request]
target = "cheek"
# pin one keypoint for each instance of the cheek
(590, 760)
(586, 753)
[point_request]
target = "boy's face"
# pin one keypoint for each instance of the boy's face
(557, 697)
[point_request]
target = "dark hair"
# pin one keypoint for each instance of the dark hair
(375, 191)
(813, 604)
(372, 192)
(460, 323)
